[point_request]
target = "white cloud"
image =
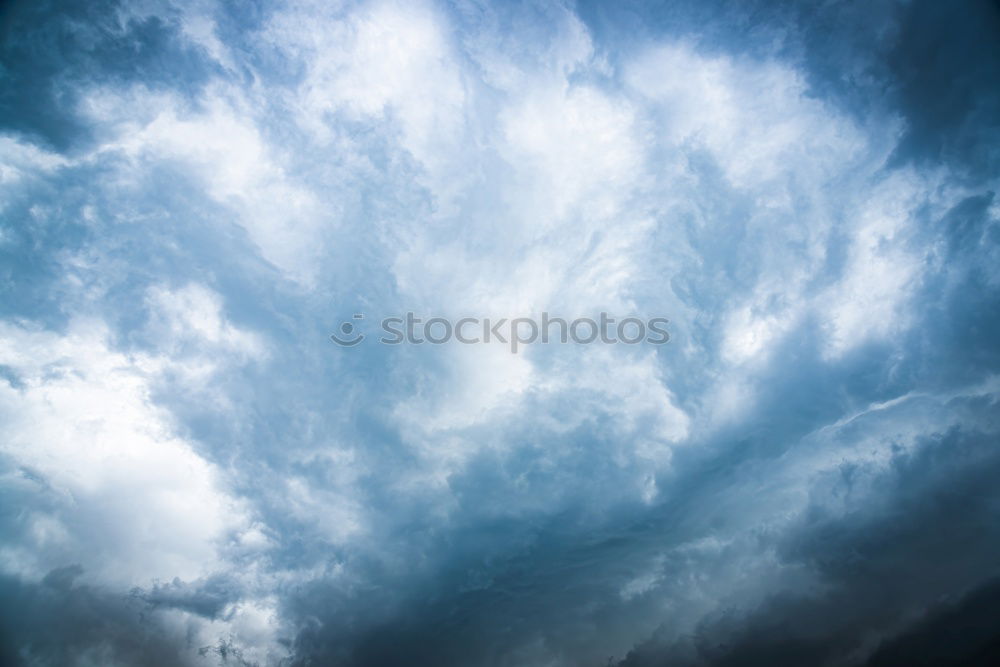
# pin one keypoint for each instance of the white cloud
(756, 118)
(20, 158)
(871, 300)
(193, 313)
(576, 151)
(224, 147)
(384, 62)
(116, 488)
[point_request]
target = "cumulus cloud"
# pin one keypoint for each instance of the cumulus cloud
(82, 435)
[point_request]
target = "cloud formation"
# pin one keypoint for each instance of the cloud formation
(194, 195)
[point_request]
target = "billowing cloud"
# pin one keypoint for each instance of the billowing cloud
(194, 196)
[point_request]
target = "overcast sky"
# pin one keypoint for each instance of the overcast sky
(194, 195)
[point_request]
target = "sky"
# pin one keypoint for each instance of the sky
(195, 195)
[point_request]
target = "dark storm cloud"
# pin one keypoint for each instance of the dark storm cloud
(952, 634)
(50, 50)
(946, 71)
(58, 622)
(562, 587)
(929, 533)
(207, 597)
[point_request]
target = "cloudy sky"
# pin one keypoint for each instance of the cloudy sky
(194, 195)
